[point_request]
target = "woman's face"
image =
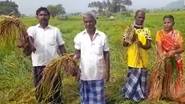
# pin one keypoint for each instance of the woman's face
(168, 24)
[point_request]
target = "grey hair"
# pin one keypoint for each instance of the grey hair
(90, 14)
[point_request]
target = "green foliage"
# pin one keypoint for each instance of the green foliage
(113, 6)
(56, 10)
(9, 7)
(119, 5)
(16, 77)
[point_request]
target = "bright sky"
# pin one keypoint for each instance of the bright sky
(150, 3)
(29, 7)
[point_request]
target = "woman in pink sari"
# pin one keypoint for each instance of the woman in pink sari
(169, 48)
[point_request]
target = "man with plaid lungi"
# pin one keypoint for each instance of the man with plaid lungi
(135, 87)
(93, 51)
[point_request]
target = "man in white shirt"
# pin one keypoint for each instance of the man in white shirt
(93, 51)
(46, 44)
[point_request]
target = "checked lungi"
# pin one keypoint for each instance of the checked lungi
(136, 87)
(92, 92)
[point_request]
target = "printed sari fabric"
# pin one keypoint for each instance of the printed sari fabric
(172, 85)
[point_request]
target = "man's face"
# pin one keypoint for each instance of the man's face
(168, 24)
(140, 17)
(43, 17)
(89, 22)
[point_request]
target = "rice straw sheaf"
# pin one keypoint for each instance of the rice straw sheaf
(9, 25)
(155, 84)
(53, 75)
(13, 30)
(129, 34)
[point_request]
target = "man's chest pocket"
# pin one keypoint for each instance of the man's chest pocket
(98, 48)
(51, 41)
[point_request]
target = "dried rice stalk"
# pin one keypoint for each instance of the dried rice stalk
(53, 73)
(156, 78)
(176, 89)
(10, 25)
(11, 30)
(129, 34)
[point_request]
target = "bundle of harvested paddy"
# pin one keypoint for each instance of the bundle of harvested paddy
(155, 82)
(53, 75)
(129, 34)
(12, 29)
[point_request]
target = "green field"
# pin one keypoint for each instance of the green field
(16, 85)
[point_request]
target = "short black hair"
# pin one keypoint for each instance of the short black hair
(140, 10)
(170, 17)
(42, 9)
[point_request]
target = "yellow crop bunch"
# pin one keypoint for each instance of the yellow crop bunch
(13, 31)
(53, 75)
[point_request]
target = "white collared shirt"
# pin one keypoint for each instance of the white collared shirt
(92, 62)
(46, 42)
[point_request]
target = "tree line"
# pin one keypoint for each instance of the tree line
(111, 6)
(9, 7)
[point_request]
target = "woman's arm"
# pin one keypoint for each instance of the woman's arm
(160, 53)
(176, 51)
